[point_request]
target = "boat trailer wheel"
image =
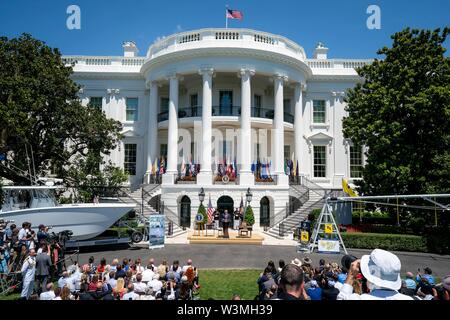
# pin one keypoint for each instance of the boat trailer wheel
(137, 237)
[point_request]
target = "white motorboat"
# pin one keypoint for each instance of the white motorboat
(38, 205)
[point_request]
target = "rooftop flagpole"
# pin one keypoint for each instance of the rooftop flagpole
(226, 17)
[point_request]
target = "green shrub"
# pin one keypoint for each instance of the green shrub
(391, 242)
(315, 213)
(249, 217)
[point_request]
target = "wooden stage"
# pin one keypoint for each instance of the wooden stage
(214, 238)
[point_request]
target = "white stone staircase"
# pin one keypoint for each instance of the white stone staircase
(315, 198)
(146, 193)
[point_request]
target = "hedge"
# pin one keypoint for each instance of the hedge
(392, 242)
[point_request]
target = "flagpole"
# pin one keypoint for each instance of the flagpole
(226, 17)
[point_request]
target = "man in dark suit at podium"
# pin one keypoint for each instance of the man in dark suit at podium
(226, 223)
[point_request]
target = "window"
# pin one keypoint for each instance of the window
(226, 149)
(130, 159)
(257, 101)
(319, 115)
(163, 150)
(286, 105)
(132, 109)
(356, 164)
(164, 105)
(194, 100)
(96, 102)
(320, 162)
(287, 152)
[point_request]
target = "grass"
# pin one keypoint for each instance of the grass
(223, 284)
(215, 284)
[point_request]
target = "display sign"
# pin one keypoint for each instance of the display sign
(157, 230)
(328, 228)
(304, 236)
(328, 246)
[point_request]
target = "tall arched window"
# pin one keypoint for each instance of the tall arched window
(185, 212)
(264, 212)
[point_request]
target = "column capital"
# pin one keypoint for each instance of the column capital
(150, 83)
(280, 77)
(301, 85)
(112, 92)
(246, 72)
(338, 94)
(174, 76)
(206, 71)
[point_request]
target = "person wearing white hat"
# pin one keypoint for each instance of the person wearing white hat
(382, 271)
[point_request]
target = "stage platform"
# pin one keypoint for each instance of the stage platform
(214, 238)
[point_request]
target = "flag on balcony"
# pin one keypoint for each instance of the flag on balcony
(234, 14)
(210, 211)
(161, 166)
(193, 169)
(235, 168)
(154, 167)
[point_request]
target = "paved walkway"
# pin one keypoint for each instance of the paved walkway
(255, 257)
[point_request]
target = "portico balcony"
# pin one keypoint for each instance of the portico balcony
(225, 111)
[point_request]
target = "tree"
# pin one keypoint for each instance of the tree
(249, 217)
(401, 113)
(41, 116)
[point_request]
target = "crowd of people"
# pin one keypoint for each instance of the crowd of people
(373, 277)
(119, 280)
(42, 277)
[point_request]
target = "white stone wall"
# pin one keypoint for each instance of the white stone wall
(278, 198)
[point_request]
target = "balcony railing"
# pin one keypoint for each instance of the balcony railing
(225, 111)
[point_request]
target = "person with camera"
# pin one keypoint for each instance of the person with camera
(43, 235)
(381, 270)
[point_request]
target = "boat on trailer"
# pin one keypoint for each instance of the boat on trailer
(38, 205)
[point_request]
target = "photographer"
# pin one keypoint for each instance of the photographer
(381, 269)
(43, 235)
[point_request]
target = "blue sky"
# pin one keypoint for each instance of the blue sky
(341, 25)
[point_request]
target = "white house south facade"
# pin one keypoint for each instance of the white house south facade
(226, 110)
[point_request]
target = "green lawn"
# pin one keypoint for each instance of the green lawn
(222, 284)
(215, 284)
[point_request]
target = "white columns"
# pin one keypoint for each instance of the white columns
(172, 143)
(152, 130)
(205, 175)
(278, 130)
(245, 141)
(298, 122)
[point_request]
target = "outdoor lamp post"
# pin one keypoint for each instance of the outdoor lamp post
(201, 195)
(248, 196)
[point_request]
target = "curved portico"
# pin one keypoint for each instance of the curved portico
(225, 77)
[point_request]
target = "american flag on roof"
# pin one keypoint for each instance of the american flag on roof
(210, 211)
(234, 14)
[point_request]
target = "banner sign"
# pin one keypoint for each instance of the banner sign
(328, 246)
(157, 231)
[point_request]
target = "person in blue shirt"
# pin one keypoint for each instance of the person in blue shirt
(426, 277)
(314, 291)
(409, 281)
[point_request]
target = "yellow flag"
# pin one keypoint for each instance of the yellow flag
(347, 189)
